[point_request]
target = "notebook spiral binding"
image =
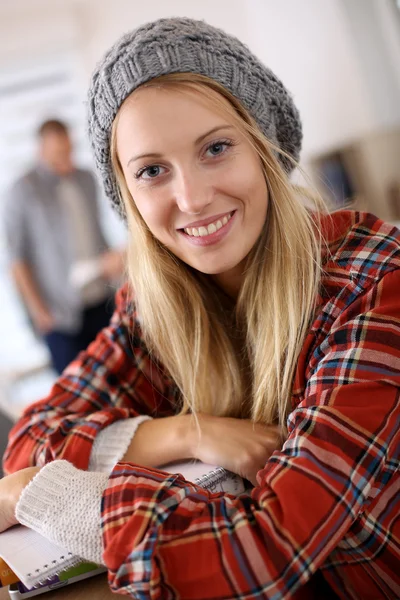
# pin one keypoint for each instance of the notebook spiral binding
(212, 478)
(47, 571)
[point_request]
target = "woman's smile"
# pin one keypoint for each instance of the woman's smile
(210, 231)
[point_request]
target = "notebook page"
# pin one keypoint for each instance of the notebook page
(32, 557)
(211, 477)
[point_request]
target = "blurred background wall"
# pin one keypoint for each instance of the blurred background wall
(339, 58)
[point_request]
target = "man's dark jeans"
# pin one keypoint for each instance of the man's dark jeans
(64, 347)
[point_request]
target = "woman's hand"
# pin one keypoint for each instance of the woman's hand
(238, 445)
(10, 491)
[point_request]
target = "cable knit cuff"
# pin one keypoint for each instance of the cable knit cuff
(112, 442)
(63, 504)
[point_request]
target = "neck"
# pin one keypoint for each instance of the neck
(230, 281)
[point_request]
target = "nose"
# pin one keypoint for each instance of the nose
(192, 193)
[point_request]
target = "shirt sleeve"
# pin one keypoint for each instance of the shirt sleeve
(16, 223)
(113, 380)
(94, 197)
(164, 537)
(112, 442)
(63, 503)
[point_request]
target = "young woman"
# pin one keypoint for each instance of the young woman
(255, 333)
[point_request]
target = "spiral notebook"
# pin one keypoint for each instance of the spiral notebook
(212, 478)
(32, 557)
(35, 559)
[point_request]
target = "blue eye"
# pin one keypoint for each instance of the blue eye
(150, 172)
(217, 148)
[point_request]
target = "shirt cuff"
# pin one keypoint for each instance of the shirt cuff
(63, 504)
(112, 442)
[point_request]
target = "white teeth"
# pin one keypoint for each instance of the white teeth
(211, 228)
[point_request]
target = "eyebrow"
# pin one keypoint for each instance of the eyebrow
(198, 141)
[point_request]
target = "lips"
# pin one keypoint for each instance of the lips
(206, 236)
(206, 222)
(212, 227)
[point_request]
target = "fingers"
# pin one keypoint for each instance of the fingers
(239, 445)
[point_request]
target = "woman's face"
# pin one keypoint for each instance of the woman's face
(194, 177)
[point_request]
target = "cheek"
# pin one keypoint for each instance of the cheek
(151, 208)
(250, 186)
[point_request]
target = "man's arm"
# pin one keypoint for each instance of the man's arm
(26, 285)
(17, 223)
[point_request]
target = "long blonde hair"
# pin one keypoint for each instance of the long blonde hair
(236, 360)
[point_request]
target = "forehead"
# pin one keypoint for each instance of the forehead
(156, 114)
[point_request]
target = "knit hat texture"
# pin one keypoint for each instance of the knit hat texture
(184, 45)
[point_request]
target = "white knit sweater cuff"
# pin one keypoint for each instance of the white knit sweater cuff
(63, 504)
(112, 443)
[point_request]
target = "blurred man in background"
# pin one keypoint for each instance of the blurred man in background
(60, 260)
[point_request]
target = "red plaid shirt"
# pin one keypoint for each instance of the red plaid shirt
(327, 504)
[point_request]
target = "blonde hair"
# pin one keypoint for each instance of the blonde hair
(230, 360)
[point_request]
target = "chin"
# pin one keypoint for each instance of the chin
(212, 269)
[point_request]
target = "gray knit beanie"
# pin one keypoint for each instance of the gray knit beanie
(184, 45)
